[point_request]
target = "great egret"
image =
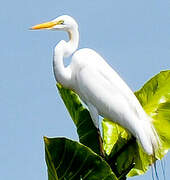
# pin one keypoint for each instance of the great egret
(98, 85)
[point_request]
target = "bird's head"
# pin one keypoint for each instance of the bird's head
(64, 23)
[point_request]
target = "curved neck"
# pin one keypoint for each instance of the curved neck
(65, 49)
(73, 42)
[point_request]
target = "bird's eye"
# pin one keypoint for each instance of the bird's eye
(61, 22)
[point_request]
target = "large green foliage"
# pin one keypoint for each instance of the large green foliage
(123, 153)
(155, 99)
(70, 160)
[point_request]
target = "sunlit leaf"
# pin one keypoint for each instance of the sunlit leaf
(155, 99)
(80, 115)
(70, 160)
(123, 151)
(154, 96)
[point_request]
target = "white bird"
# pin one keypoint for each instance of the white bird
(98, 85)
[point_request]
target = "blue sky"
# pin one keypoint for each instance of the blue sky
(133, 36)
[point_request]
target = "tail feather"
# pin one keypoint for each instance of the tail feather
(149, 139)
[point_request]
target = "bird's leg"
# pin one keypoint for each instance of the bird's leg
(102, 153)
(95, 118)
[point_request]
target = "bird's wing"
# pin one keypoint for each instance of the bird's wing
(102, 86)
(115, 80)
(99, 85)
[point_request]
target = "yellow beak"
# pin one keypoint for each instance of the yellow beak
(46, 25)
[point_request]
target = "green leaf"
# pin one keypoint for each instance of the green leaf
(86, 130)
(70, 160)
(124, 153)
(155, 99)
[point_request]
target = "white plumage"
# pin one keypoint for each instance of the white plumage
(99, 86)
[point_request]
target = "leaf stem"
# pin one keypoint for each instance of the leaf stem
(112, 160)
(102, 153)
